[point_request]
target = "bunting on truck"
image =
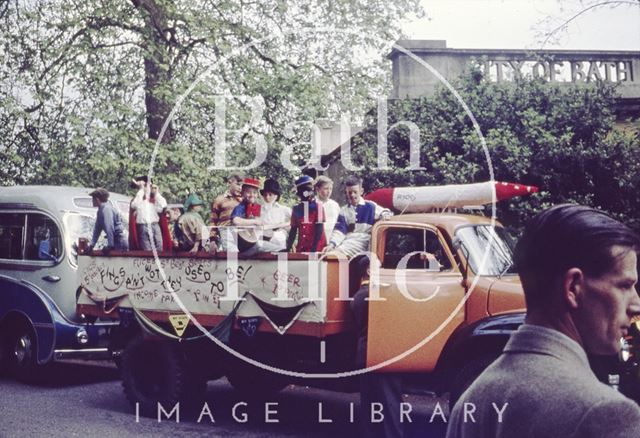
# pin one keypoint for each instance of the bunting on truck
(280, 318)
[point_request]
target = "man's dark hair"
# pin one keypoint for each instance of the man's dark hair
(353, 180)
(237, 177)
(564, 237)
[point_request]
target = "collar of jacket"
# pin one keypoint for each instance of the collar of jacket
(531, 338)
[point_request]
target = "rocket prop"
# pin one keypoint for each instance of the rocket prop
(422, 199)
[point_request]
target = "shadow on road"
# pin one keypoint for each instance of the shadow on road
(68, 374)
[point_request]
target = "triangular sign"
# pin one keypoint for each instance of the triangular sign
(179, 323)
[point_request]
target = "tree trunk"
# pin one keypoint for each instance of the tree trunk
(156, 68)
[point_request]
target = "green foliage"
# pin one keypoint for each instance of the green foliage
(87, 86)
(562, 139)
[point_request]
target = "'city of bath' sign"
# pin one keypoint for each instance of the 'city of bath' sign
(560, 71)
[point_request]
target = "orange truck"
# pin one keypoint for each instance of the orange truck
(443, 302)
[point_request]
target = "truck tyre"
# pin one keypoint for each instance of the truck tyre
(19, 352)
(466, 375)
(253, 382)
(157, 373)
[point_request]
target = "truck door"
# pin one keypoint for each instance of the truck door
(421, 297)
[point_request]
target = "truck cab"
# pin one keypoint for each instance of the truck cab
(439, 273)
(39, 228)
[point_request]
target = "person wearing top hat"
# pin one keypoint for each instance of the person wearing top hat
(190, 228)
(307, 219)
(108, 220)
(275, 217)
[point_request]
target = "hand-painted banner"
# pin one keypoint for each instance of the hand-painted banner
(206, 286)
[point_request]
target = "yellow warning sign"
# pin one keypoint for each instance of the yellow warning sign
(179, 323)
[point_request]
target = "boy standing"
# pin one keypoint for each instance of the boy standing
(148, 205)
(222, 207)
(323, 187)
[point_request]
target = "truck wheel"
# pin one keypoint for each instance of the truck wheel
(254, 382)
(19, 353)
(467, 374)
(157, 373)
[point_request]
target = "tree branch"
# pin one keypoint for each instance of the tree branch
(585, 10)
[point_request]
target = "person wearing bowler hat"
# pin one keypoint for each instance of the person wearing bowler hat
(276, 218)
(108, 220)
(190, 228)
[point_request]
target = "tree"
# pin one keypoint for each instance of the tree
(86, 86)
(560, 138)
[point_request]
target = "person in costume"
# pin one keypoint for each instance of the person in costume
(307, 219)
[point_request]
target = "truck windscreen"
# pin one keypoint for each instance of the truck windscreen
(480, 238)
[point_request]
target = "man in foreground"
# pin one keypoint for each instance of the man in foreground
(578, 271)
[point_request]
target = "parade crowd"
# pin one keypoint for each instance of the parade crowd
(242, 222)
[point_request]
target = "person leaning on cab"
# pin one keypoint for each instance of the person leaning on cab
(352, 232)
(188, 229)
(578, 272)
(108, 219)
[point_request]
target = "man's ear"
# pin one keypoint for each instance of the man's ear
(572, 287)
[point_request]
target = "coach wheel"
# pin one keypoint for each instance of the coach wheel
(19, 352)
(156, 374)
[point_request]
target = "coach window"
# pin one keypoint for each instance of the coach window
(43, 238)
(12, 235)
(428, 252)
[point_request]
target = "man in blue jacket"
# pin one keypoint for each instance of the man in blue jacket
(108, 220)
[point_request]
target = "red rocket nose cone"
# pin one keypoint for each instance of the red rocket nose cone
(382, 197)
(506, 190)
